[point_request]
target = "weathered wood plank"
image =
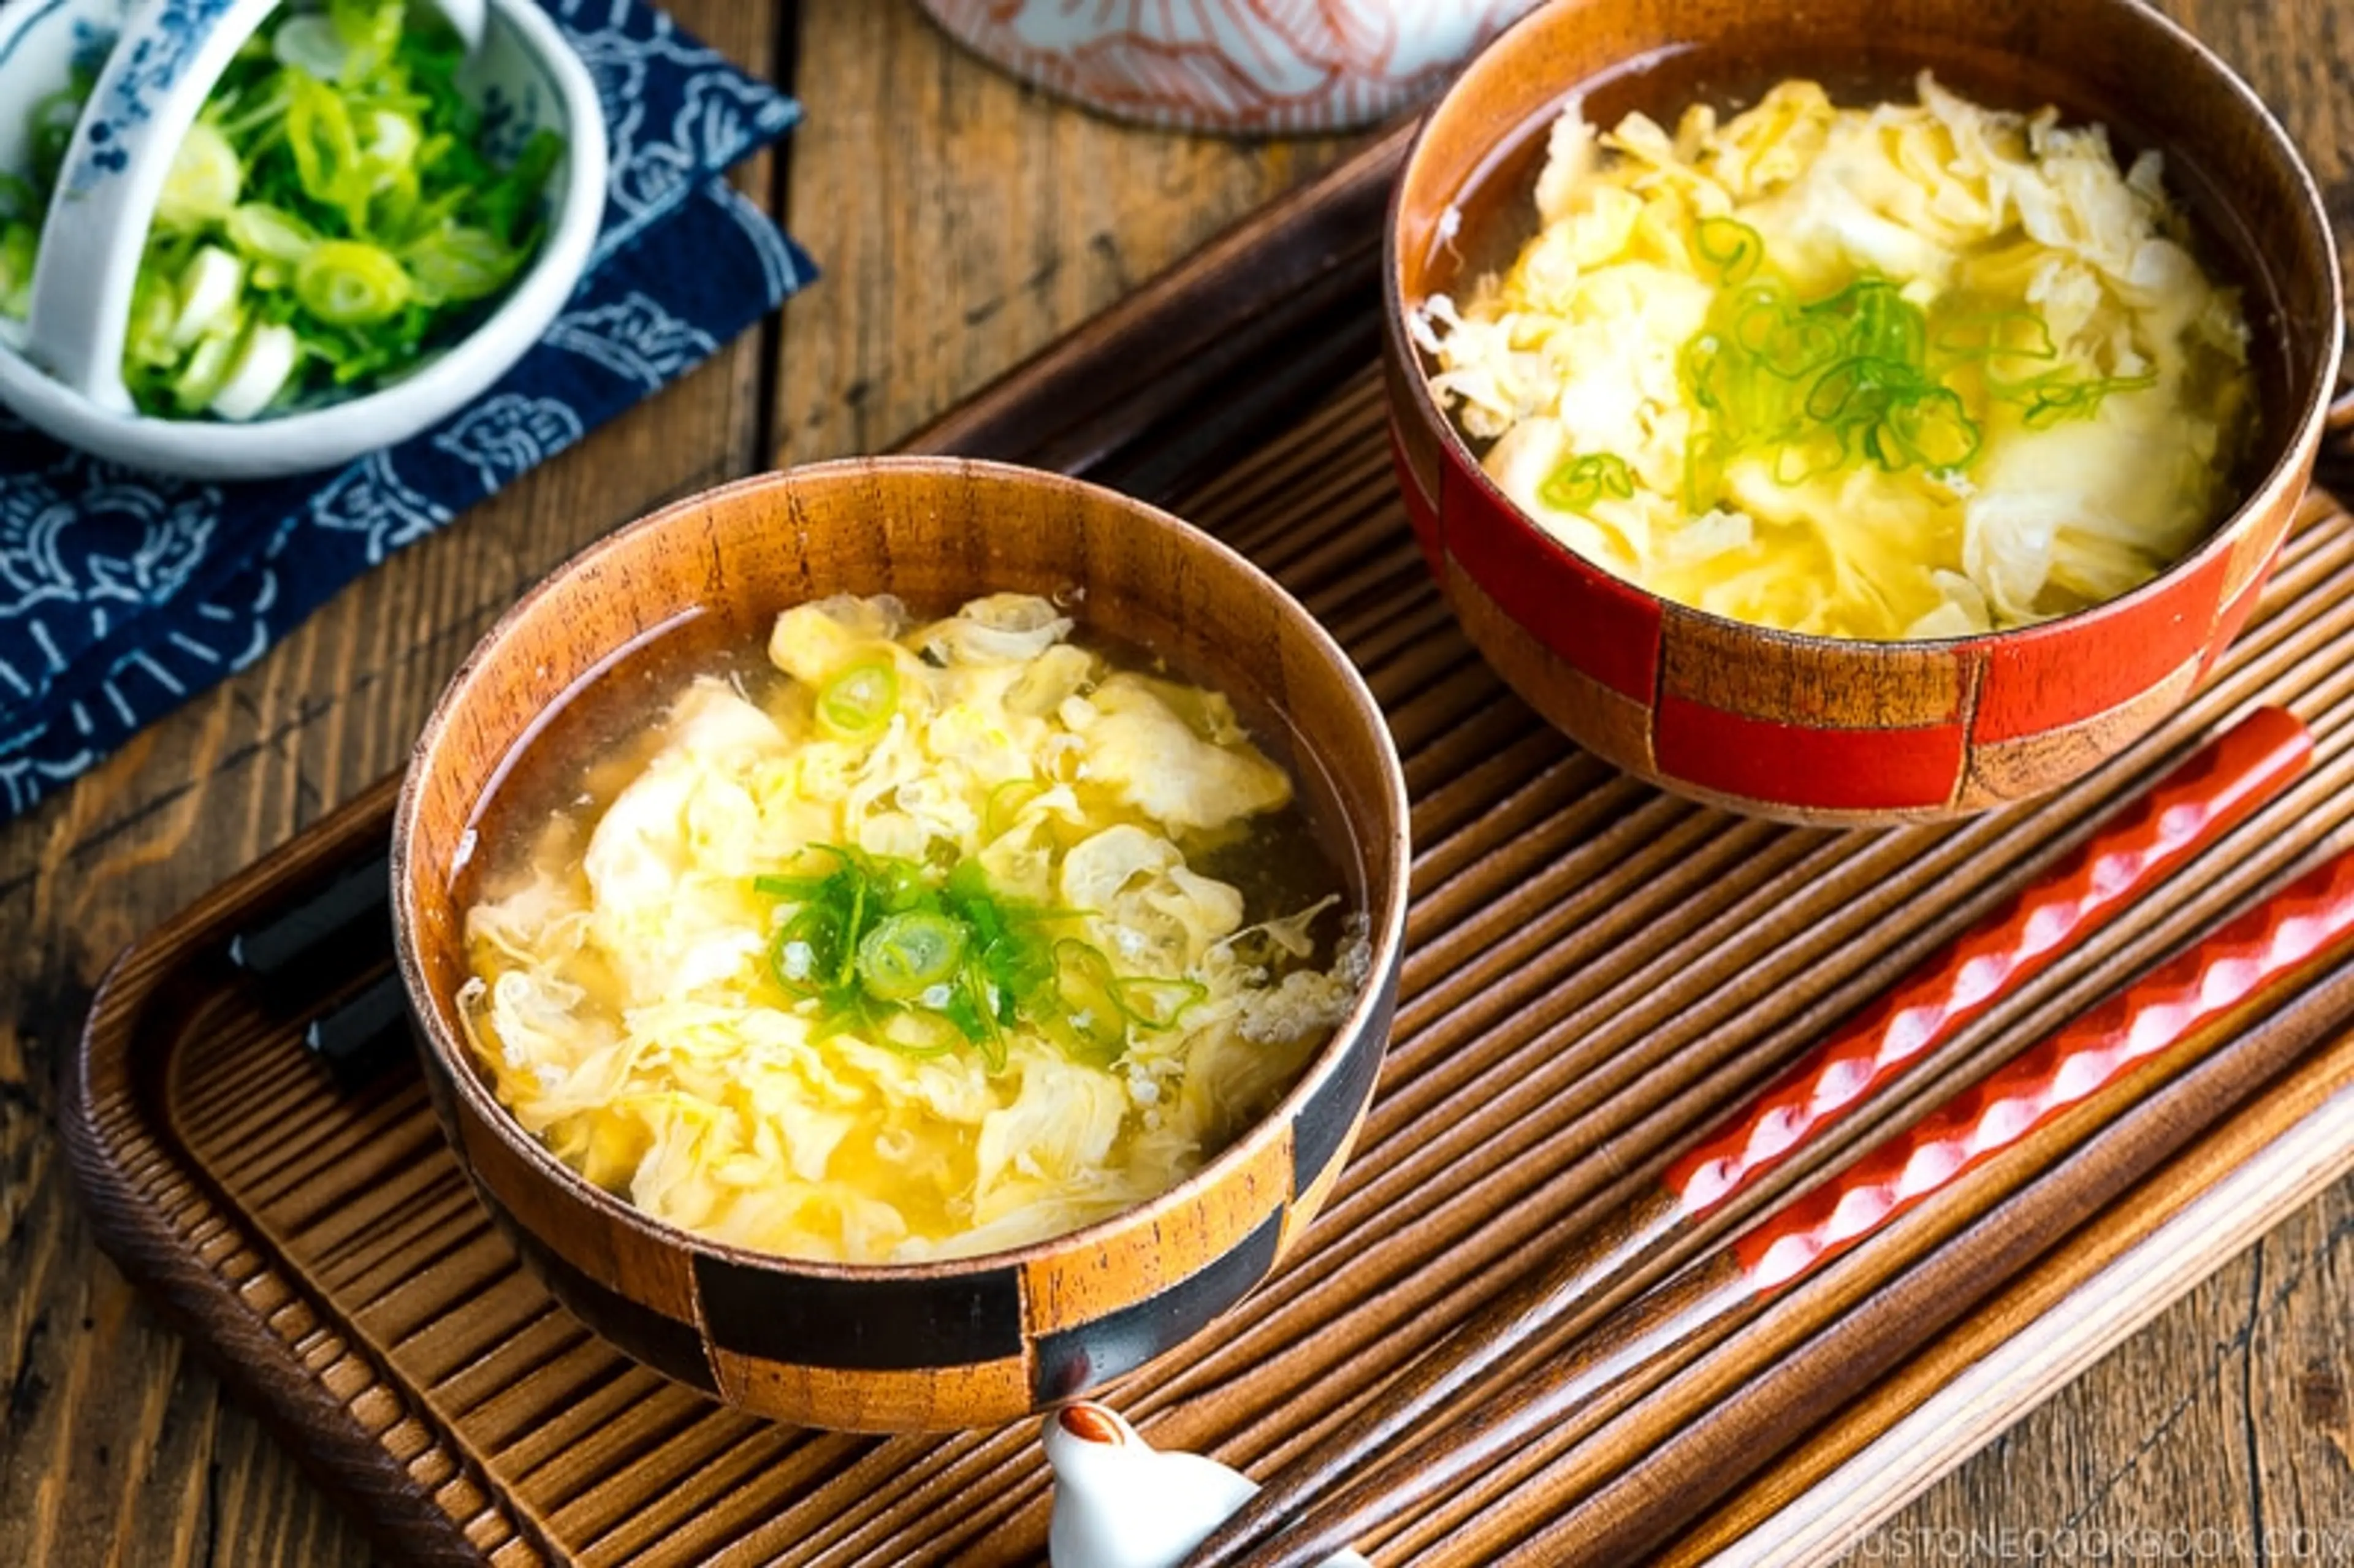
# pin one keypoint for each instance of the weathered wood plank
(962, 221)
(967, 219)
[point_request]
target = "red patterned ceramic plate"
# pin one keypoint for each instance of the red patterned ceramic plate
(1258, 66)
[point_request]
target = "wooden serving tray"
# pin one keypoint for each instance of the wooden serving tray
(1596, 971)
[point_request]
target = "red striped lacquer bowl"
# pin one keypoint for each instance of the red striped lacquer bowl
(1818, 730)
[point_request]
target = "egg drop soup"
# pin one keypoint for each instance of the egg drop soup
(1911, 370)
(901, 938)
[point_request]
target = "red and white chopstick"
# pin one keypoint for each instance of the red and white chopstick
(2187, 810)
(2145, 842)
(2089, 1063)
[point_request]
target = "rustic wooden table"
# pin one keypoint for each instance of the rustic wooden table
(963, 222)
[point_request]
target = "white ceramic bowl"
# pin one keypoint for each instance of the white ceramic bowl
(524, 61)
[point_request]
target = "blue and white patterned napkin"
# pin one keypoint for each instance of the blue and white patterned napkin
(123, 594)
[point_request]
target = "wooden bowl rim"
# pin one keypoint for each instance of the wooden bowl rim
(2289, 472)
(1386, 900)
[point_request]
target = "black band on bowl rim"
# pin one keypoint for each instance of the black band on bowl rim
(860, 1325)
(1069, 1362)
(660, 1340)
(1323, 1122)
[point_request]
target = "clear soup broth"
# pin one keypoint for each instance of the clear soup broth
(899, 936)
(1718, 365)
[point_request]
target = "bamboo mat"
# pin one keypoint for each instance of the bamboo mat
(1594, 971)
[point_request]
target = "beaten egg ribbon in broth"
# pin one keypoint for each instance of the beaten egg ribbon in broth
(1911, 371)
(911, 958)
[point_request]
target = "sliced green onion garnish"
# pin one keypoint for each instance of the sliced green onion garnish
(206, 369)
(270, 233)
(370, 31)
(913, 957)
(508, 204)
(393, 139)
(20, 243)
(871, 940)
(320, 135)
(857, 702)
(459, 263)
(2054, 399)
(1931, 431)
(210, 285)
(1815, 387)
(807, 950)
(155, 310)
(1005, 803)
(310, 43)
(1094, 1023)
(203, 182)
(1732, 247)
(262, 370)
(1159, 1004)
(337, 175)
(1580, 482)
(346, 283)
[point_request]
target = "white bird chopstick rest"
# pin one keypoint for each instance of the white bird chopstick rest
(1122, 1503)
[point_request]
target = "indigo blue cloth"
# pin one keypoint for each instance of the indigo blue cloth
(123, 594)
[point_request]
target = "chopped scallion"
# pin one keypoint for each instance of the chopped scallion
(335, 188)
(1864, 375)
(346, 283)
(1580, 482)
(912, 957)
(857, 702)
(263, 367)
(903, 953)
(210, 285)
(265, 233)
(204, 181)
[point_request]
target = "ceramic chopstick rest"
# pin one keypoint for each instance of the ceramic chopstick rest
(1119, 1502)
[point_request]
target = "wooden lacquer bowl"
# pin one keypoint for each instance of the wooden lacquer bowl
(1817, 729)
(975, 1340)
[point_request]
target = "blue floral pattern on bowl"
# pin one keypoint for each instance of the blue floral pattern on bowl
(154, 65)
(47, 41)
(122, 594)
(92, 43)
